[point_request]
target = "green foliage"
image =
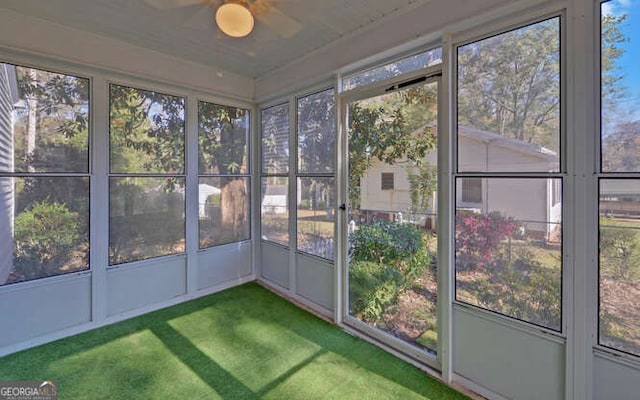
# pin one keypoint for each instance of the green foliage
(510, 84)
(316, 132)
(45, 237)
(422, 184)
(52, 129)
(394, 128)
(372, 288)
(146, 131)
(223, 134)
(385, 258)
(527, 290)
(619, 249)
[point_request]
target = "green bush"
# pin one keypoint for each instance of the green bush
(45, 237)
(385, 258)
(372, 288)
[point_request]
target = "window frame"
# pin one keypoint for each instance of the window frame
(601, 175)
(86, 174)
(184, 175)
(247, 175)
(478, 35)
(297, 174)
(289, 175)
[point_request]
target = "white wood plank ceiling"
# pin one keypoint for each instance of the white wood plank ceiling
(186, 28)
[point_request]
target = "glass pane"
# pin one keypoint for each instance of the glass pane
(146, 131)
(44, 227)
(620, 86)
(44, 121)
(392, 241)
(316, 132)
(275, 139)
(223, 210)
(509, 249)
(396, 68)
(223, 137)
(275, 210)
(509, 101)
(146, 218)
(315, 216)
(619, 326)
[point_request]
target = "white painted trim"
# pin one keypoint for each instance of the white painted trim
(446, 203)
(99, 198)
(617, 357)
(192, 220)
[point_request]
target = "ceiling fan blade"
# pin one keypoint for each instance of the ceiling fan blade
(168, 4)
(285, 26)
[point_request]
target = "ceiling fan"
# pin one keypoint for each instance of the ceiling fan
(263, 10)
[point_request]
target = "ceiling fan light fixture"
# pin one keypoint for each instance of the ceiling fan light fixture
(234, 20)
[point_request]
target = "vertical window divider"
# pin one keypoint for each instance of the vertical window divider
(191, 193)
(292, 188)
(255, 168)
(99, 197)
(446, 203)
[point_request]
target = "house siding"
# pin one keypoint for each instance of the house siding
(6, 164)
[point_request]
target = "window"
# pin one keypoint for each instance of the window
(275, 168)
(508, 252)
(315, 174)
(386, 179)
(619, 202)
(146, 182)
(412, 63)
(471, 190)
(315, 216)
(224, 182)
(44, 174)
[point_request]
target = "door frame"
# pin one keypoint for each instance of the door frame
(443, 307)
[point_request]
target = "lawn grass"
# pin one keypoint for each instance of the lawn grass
(243, 343)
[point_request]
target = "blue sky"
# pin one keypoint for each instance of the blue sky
(630, 60)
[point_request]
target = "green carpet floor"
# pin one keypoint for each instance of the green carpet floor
(243, 343)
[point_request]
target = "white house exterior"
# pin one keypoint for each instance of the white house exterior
(535, 202)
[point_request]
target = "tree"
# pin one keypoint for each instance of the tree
(393, 128)
(223, 151)
(510, 84)
(613, 40)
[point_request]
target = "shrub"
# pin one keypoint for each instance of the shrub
(385, 258)
(45, 237)
(478, 237)
(372, 288)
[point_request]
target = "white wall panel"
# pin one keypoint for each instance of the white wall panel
(274, 262)
(507, 360)
(31, 311)
(315, 280)
(223, 264)
(145, 283)
(615, 380)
